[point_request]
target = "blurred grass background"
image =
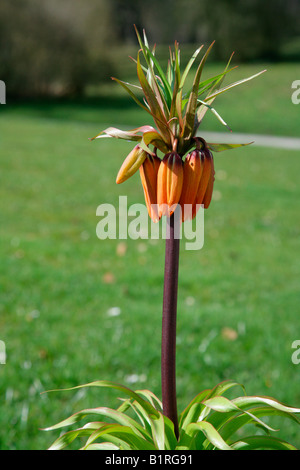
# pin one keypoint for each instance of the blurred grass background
(74, 309)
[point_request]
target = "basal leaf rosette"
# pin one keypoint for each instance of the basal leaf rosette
(209, 422)
(175, 165)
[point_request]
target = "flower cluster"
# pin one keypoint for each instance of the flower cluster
(185, 174)
(172, 180)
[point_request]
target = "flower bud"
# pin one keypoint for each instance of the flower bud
(206, 177)
(131, 164)
(192, 171)
(210, 187)
(148, 174)
(169, 183)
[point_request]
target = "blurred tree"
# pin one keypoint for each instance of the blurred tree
(39, 55)
(94, 24)
(256, 29)
(59, 47)
(125, 15)
(54, 48)
(179, 20)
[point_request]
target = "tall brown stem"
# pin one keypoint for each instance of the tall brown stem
(168, 350)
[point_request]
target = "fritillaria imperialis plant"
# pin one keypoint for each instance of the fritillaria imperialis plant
(176, 168)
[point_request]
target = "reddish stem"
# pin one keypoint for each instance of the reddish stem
(168, 350)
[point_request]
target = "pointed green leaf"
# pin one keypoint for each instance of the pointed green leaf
(177, 62)
(232, 85)
(107, 384)
(175, 109)
(102, 446)
(208, 430)
(152, 398)
(216, 114)
(162, 76)
(126, 434)
(178, 98)
(188, 67)
(262, 443)
(155, 139)
(243, 402)
(68, 437)
(189, 119)
(158, 114)
(222, 147)
(115, 415)
(224, 386)
(217, 392)
(150, 77)
(228, 423)
(196, 409)
(130, 92)
(210, 83)
(158, 432)
(170, 438)
(215, 85)
(223, 405)
(142, 415)
(171, 75)
(192, 411)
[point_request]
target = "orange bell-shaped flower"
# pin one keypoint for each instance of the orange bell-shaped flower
(148, 173)
(205, 189)
(169, 183)
(192, 171)
(210, 186)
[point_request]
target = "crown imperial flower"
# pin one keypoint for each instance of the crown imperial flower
(148, 173)
(186, 172)
(192, 171)
(169, 183)
(185, 176)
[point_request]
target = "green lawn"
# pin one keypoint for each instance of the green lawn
(238, 296)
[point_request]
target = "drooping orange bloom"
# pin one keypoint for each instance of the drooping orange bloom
(205, 189)
(169, 183)
(192, 171)
(198, 182)
(148, 173)
(210, 186)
